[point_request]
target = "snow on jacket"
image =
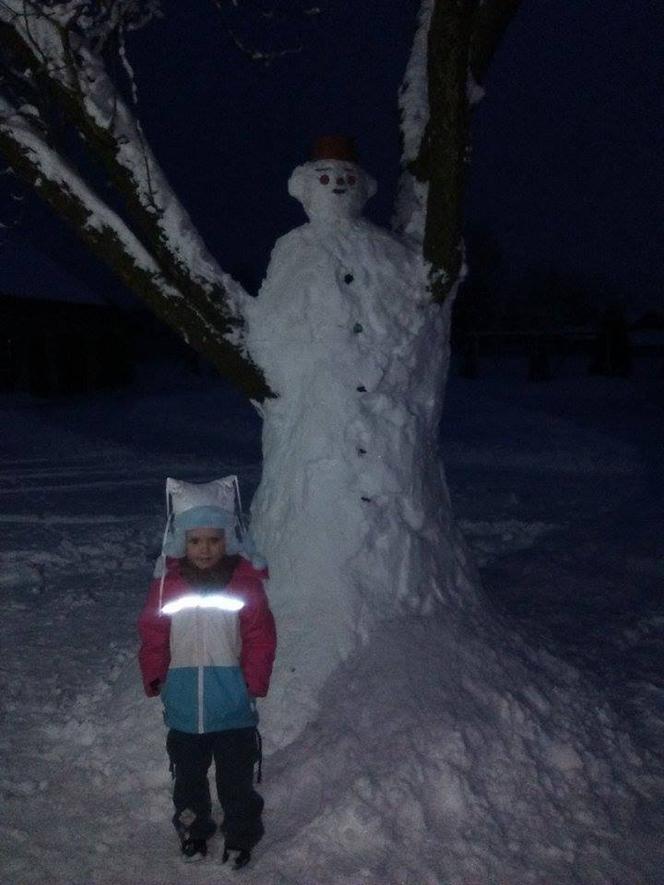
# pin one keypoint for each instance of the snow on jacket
(210, 663)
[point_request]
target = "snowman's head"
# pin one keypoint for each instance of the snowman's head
(331, 190)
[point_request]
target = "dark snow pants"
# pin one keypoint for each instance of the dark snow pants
(234, 753)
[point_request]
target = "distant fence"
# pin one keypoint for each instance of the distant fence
(611, 352)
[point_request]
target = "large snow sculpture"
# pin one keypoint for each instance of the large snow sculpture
(352, 502)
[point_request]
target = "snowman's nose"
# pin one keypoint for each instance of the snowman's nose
(341, 180)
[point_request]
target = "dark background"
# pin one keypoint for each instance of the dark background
(565, 179)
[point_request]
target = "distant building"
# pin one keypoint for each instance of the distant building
(57, 347)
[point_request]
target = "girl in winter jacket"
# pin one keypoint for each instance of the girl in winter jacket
(207, 648)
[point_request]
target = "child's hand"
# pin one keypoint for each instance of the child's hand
(154, 688)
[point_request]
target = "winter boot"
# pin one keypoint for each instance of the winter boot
(193, 834)
(193, 849)
(241, 856)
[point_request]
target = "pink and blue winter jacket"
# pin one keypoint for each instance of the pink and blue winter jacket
(210, 663)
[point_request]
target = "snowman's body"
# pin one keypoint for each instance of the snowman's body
(349, 507)
(333, 292)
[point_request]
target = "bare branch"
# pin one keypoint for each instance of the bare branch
(248, 48)
(260, 54)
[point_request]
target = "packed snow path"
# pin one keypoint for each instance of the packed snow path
(556, 488)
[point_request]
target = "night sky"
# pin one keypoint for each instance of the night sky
(566, 171)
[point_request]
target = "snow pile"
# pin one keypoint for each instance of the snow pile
(444, 751)
(16, 574)
(433, 762)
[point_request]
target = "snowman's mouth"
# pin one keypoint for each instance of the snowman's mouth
(339, 190)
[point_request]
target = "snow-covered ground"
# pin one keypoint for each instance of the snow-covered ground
(413, 773)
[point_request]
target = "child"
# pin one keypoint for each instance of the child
(207, 647)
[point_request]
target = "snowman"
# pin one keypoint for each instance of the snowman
(341, 327)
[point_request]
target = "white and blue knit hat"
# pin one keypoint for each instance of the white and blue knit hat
(202, 517)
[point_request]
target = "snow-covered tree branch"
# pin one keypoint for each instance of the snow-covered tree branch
(451, 54)
(52, 58)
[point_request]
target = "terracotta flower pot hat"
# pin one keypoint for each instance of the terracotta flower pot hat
(334, 147)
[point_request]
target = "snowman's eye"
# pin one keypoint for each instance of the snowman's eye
(324, 179)
(351, 179)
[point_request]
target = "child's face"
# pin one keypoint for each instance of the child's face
(205, 547)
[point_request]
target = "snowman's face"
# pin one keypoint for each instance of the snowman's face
(331, 189)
